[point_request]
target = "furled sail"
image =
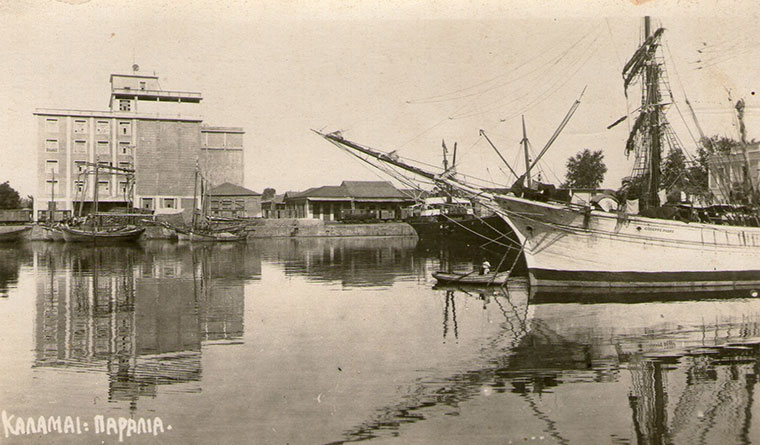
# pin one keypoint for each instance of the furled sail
(644, 54)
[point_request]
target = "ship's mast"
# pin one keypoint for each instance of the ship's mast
(527, 154)
(650, 105)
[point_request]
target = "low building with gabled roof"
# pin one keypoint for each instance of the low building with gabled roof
(329, 202)
(233, 201)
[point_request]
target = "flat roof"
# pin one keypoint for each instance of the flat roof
(115, 114)
(132, 75)
(217, 129)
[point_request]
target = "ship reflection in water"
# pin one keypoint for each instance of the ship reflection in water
(324, 341)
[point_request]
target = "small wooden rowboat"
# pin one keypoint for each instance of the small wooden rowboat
(11, 234)
(100, 236)
(473, 278)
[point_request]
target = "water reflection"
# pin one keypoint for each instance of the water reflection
(12, 258)
(684, 371)
(138, 314)
(352, 262)
(311, 341)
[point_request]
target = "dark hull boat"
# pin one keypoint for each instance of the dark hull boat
(470, 228)
(473, 278)
(101, 236)
(10, 234)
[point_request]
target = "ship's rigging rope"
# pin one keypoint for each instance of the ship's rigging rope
(409, 182)
(545, 66)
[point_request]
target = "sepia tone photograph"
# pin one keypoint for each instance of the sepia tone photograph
(408, 222)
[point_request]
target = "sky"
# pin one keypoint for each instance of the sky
(394, 75)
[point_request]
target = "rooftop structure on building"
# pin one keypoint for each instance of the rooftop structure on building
(157, 133)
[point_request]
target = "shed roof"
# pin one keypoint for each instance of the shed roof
(228, 189)
(353, 189)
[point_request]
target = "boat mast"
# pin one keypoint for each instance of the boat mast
(527, 154)
(51, 207)
(95, 197)
(650, 105)
(195, 196)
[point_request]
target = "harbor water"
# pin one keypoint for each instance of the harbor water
(320, 340)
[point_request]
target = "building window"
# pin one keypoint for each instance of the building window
(147, 203)
(125, 128)
(125, 165)
(80, 126)
(125, 148)
(142, 85)
(101, 127)
(170, 203)
(78, 186)
(125, 105)
(123, 188)
(51, 125)
(51, 145)
(51, 166)
(103, 148)
(104, 187)
(80, 146)
(80, 166)
(104, 164)
(50, 186)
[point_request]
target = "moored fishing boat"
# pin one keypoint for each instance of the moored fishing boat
(52, 233)
(123, 234)
(200, 230)
(10, 234)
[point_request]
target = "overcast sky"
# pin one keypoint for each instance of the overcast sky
(393, 75)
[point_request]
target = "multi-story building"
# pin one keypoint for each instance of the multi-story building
(222, 154)
(155, 132)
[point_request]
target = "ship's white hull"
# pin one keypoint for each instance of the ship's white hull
(567, 246)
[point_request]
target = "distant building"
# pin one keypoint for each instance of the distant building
(728, 173)
(156, 132)
(328, 202)
(275, 207)
(233, 201)
(222, 154)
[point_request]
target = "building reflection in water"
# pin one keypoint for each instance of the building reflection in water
(12, 257)
(688, 369)
(353, 262)
(139, 314)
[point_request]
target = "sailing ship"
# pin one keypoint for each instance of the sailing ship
(568, 245)
(94, 230)
(199, 230)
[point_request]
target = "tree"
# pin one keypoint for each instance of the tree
(675, 175)
(28, 202)
(268, 194)
(585, 170)
(9, 198)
